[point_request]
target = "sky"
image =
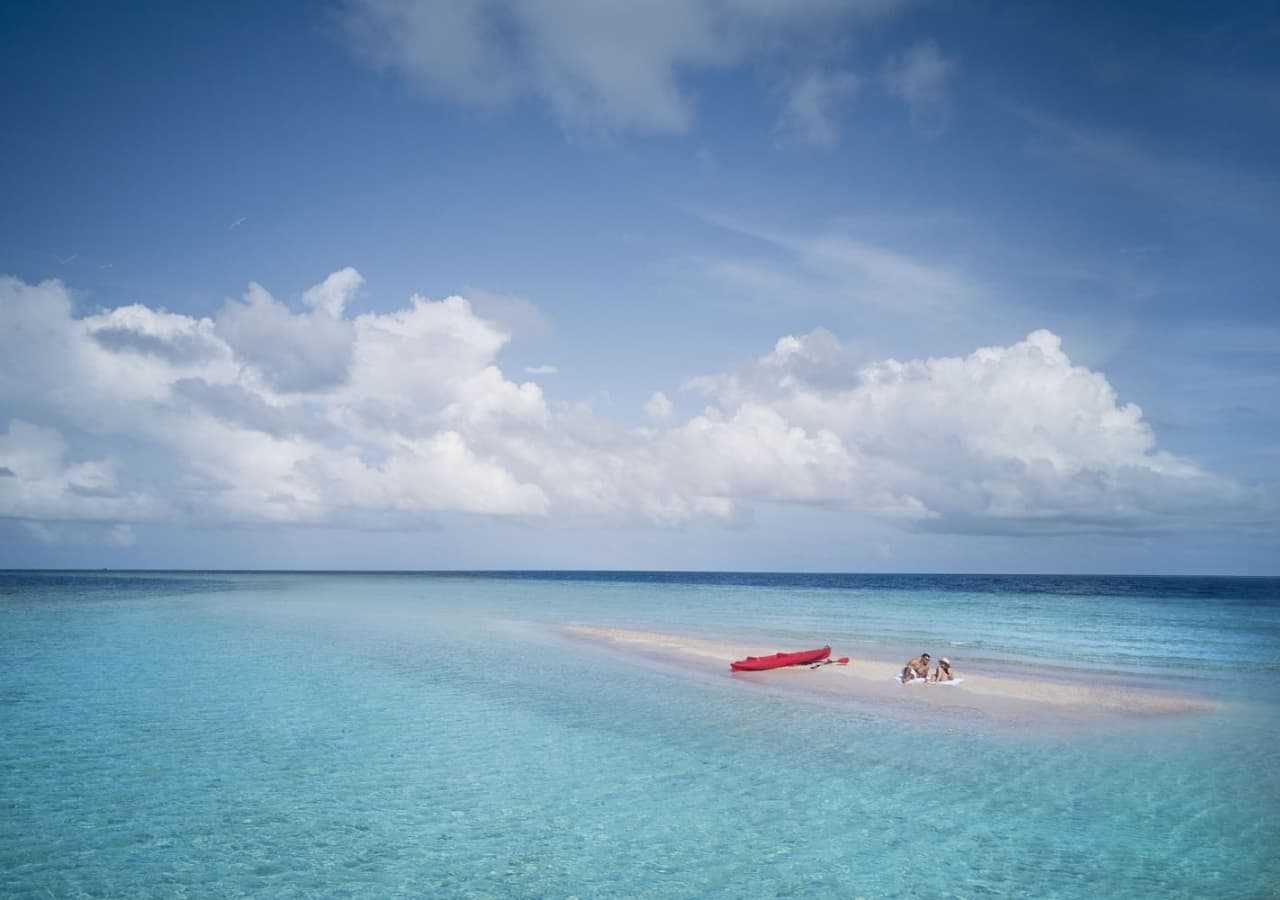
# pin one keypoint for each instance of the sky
(823, 285)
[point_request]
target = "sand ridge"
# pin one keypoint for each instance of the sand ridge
(873, 679)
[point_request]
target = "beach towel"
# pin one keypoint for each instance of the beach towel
(952, 683)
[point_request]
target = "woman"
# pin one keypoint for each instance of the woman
(943, 672)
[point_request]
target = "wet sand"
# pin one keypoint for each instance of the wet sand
(989, 694)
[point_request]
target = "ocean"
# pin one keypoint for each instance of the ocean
(173, 734)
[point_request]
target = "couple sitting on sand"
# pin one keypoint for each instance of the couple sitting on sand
(918, 668)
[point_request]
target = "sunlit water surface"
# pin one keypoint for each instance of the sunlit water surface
(167, 735)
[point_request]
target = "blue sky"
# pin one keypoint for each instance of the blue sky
(818, 285)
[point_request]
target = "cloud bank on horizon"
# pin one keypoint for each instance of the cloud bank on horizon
(271, 414)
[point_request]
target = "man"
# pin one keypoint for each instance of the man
(916, 668)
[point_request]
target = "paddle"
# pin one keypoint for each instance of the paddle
(842, 661)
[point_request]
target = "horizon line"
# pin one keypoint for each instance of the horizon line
(553, 571)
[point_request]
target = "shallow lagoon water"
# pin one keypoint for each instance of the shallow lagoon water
(171, 734)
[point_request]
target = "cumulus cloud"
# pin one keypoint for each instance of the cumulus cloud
(613, 64)
(186, 419)
(1010, 438)
(294, 352)
(334, 293)
(137, 329)
(43, 484)
(919, 78)
(276, 416)
(658, 406)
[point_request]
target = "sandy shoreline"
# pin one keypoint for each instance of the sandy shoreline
(872, 679)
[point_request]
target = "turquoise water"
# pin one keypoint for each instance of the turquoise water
(415, 735)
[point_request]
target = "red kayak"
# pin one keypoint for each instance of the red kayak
(778, 660)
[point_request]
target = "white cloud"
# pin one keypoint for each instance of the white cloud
(45, 485)
(832, 266)
(658, 406)
(889, 277)
(919, 78)
(175, 418)
(292, 352)
(608, 64)
(812, 106)
(223, 406)
(541, 370)
(334, 293)
(1008, 438)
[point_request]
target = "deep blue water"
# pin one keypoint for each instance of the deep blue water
(296, 734)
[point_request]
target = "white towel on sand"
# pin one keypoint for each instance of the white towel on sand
(952, 683)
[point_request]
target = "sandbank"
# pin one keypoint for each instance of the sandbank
(990, 694)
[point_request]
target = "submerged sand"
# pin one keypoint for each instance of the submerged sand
(990, 694)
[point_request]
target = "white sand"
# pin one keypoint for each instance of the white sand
(873, 679)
